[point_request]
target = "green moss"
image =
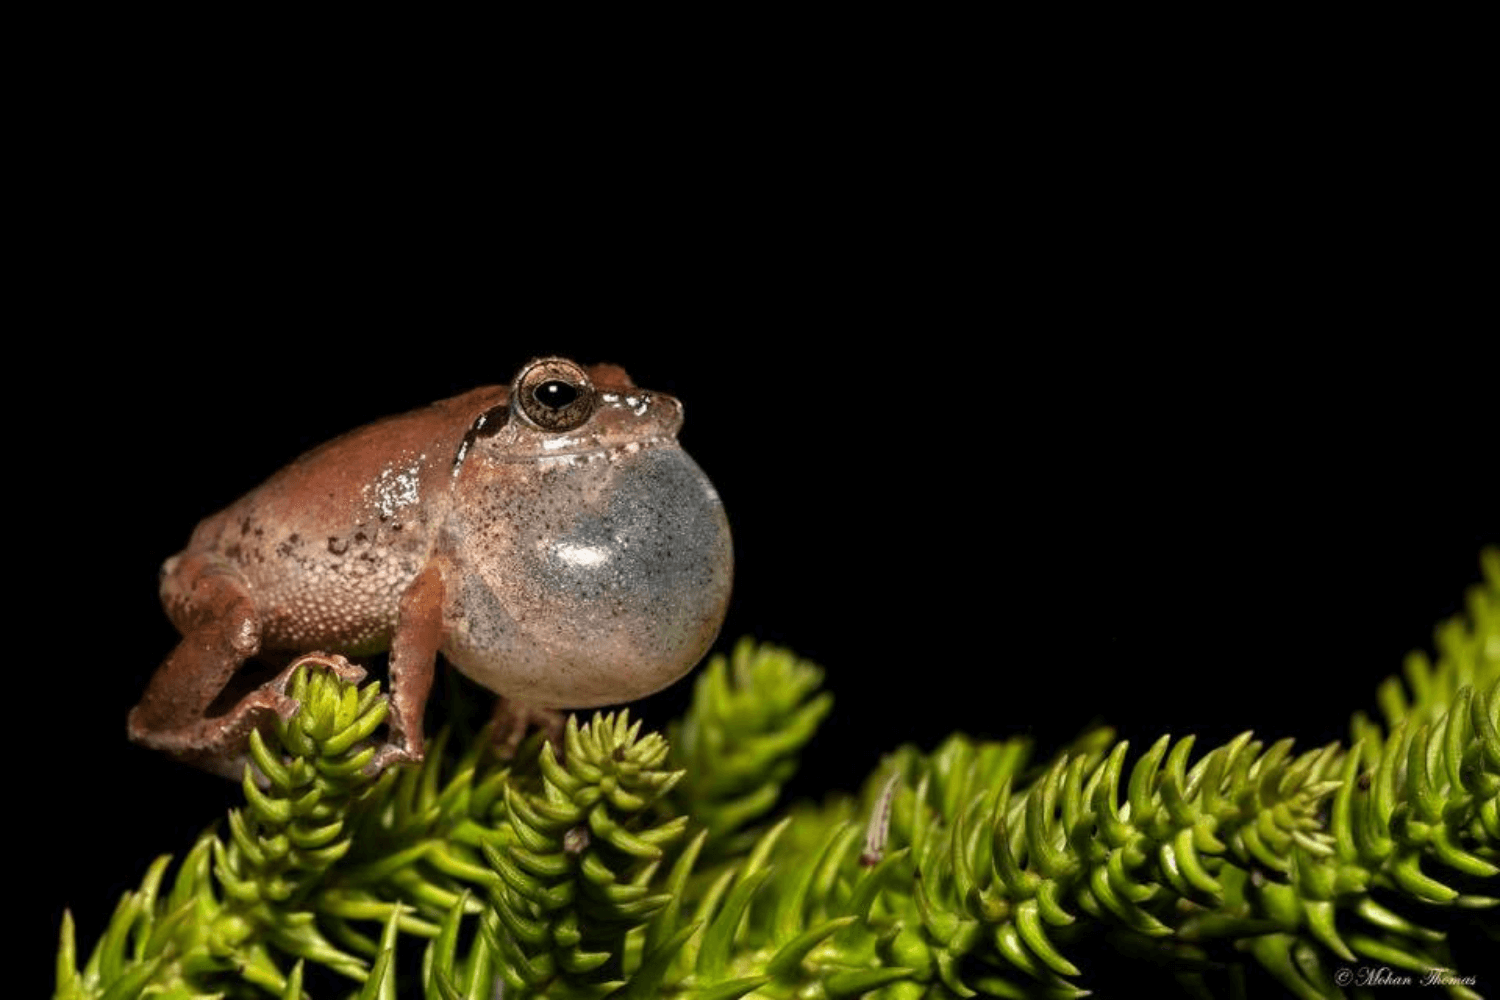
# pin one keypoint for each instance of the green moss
(620, 865)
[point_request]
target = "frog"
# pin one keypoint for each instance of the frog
(550, 538)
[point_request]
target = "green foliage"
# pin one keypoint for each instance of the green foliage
(618, 866)
(738, 745)
(234, 903)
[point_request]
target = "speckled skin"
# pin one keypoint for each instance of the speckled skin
(559, 568)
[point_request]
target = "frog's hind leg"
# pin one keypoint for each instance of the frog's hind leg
(510, 721)
(215, 612)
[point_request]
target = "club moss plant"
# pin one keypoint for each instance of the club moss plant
(625, 864)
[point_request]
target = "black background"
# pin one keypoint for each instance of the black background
(1009, 445)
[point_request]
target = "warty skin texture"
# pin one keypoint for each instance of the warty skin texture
(550, 538)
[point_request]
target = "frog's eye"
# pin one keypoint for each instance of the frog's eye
(554, 394)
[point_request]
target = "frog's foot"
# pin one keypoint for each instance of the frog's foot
(392, 753)
(218, 744)
(351, 673)
(397, 751)
(511, 719)
(259, 710)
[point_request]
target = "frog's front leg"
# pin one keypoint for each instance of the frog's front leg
(414, 648)
(213, 609)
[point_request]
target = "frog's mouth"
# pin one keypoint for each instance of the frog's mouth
(562, 449)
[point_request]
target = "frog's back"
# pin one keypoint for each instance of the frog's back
(328, 544)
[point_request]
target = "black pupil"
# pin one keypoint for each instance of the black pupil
(555, 394)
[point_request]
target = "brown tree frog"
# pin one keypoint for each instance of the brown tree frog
(549, 538)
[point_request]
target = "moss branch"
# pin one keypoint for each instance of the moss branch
(621, 865)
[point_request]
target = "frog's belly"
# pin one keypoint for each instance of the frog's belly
(354, 616)
(332, 597)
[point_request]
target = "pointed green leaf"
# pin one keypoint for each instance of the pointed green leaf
(731, 990)
(644, 985)
(856, 983)
(713, 954)
(790, 956)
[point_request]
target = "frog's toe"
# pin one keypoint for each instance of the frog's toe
(283, 706)
(390, 754)
(257, 709)
(351, 673)
(511, 721)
